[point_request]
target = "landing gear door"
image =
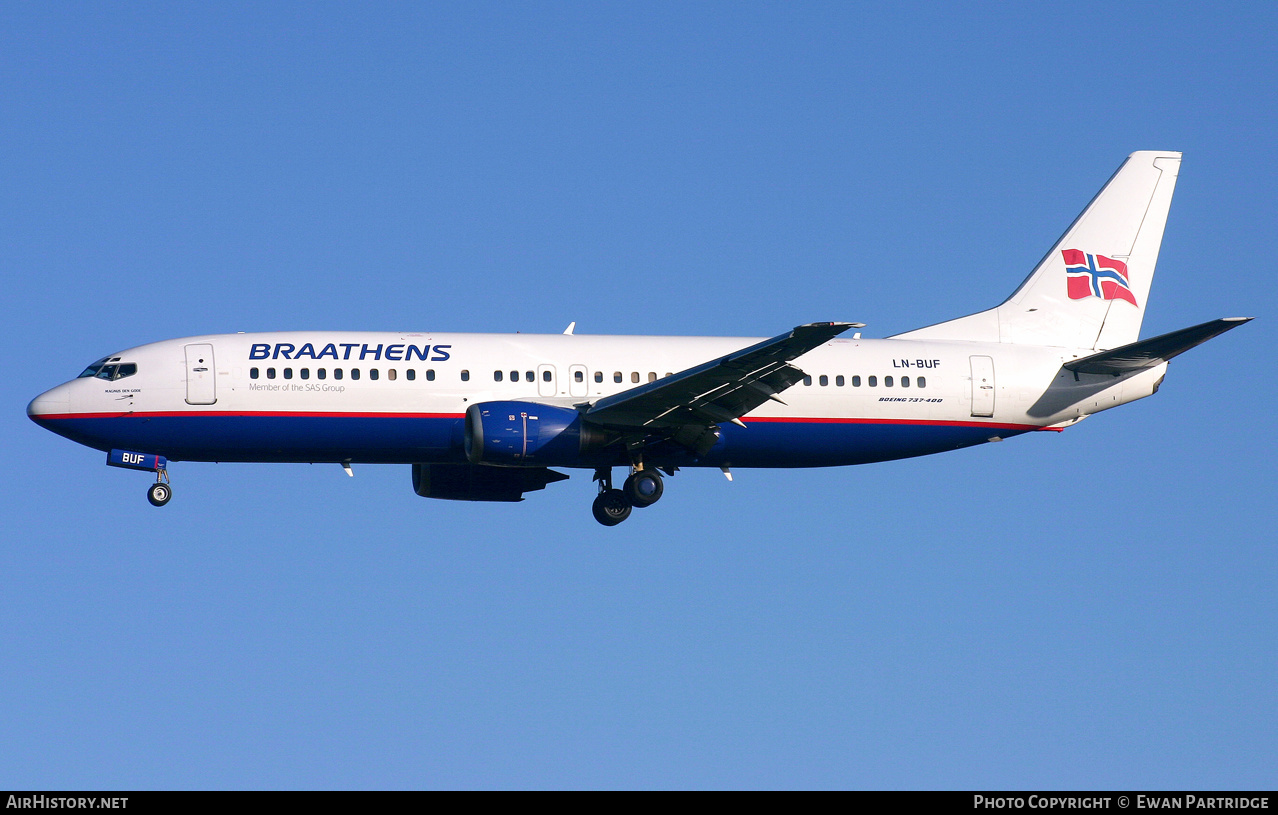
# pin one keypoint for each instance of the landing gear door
(982, 386)
(201, 375)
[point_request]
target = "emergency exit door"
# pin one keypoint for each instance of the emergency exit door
(577, 381)
(546, 380)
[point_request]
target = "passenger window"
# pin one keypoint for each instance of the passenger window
(922, 382)
(321, 373)
(514, 376)
(270, 373)
(838, 380)
(616, 376)
(430, 374)
(634, 376)
(337, 373)
(824, 380)
(372, 373)
(497, 376)
(579, 376)
(288, 373)
(873, 382)
(252, 373)
(856, 381)
(545, 376)
(411, 373)
(390, 374)
(306, 373)
(598, 376)
(887, 381)
(652, 376)
(807, 380)
(465, 376)
(354, 373)
(905, 381)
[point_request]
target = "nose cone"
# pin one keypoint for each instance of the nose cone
(56, 402)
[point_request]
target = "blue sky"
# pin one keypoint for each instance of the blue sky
(1088, 609)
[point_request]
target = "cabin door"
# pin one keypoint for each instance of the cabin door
(201, 375)
(982, 386)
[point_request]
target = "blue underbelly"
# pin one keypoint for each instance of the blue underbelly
(415, 438)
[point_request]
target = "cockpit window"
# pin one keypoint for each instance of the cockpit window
(93, 369)
(112, 372)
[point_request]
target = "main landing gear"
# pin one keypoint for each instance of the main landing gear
(612, 506)
(643, 488)
(161, 491)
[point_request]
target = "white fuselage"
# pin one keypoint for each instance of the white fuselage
(392, 397)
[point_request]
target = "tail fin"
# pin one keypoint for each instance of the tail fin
(1090, 290)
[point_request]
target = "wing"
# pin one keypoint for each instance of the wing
(721, 390)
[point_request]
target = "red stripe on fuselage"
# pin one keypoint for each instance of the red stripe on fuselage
(918, 422)
(165, 414)
(345, 415)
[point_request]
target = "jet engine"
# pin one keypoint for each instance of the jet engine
(527, 434)
(478, 482)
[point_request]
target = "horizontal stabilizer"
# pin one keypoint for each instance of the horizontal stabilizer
(1153, 351)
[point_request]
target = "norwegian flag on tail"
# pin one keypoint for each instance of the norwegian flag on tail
(1096, 276)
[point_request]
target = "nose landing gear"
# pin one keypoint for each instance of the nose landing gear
(161, 491)
(158, 493)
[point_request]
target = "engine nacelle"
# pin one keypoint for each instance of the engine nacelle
(527, 434)
(477, 482)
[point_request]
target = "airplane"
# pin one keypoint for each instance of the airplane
(485, 417)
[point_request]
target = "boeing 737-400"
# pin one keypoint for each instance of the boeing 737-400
(485, 417)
